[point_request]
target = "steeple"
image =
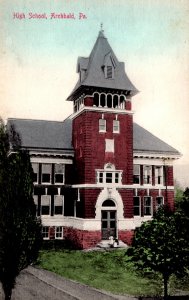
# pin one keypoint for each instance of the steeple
(102, 70)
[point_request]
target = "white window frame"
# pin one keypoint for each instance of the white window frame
(159, 175)
(45, 231)
(115, 175)
(102, 125)
(148, 206)
(49, 198)
(58, 231)
(62, 200)
(137, 206)
(136, 173)
(116, 126)
(50, 173)
(158, 205)
(147, 174)
(58, 173)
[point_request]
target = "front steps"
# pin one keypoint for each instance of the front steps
(106, 244)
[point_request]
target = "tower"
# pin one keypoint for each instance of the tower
(102, 137)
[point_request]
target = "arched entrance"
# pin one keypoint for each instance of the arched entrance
(108, 219)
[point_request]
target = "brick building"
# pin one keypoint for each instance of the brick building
(97, 174)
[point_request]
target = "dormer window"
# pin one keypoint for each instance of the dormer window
(109, 72)
(109, 66)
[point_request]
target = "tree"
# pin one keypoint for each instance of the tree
(178, 192)
(183, 203)
(20, 230)
(162, 245)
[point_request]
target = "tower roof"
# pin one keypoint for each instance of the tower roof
(92, 69)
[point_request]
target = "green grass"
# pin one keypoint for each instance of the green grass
(108, 270)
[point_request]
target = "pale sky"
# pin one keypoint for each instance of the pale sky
(38, 59)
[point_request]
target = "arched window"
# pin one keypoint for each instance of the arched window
(109, 203)
(96, 99)
(102, 100)
(115, 101)
(109, 100)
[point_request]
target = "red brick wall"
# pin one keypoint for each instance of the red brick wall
(88, 140)
(82, 239)
(127, 198)
(128, 105)
(89, 198)
(170, 180)
(126, 236)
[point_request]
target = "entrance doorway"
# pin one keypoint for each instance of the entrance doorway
(108, 219)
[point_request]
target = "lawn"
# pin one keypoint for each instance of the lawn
(108, 270)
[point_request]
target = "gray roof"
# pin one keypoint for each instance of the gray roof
(144, 141)
(93, 73)
(52, 135)
(43, 134)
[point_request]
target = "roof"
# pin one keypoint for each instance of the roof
(92, 69)
(43, 134)
(144, 141)
(53, 135)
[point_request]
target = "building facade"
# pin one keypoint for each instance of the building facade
(97, 174)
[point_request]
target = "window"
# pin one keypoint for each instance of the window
(35, 167)
(45, 232)
(108, 177)
(115, 126)
(108, 203)
(58, 205)
(46, 173)
(59, 173)
(59, 232)
(147, 206)
(159, 202)
(100, 177)
(158, 174)
(45, 205)
(109, 145)
(109, 72)
(116, 177)
(102, 125)
(137, 207)
(136, 174)
(147, 174)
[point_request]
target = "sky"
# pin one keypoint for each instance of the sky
(38, 60)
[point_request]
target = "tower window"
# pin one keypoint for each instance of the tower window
(109, 145)
(102, 125)
(109, 72)
(116, 126)
(108, 177)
